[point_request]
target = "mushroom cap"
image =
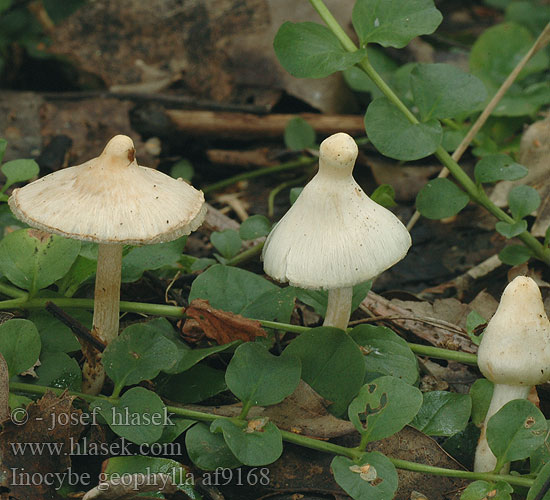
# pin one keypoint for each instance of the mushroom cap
(111, 199)
(515, 348)
(334, 236)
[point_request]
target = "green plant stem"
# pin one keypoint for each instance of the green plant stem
(291, 165)
(12, 291)
(178, 312)
(475, 192)
(275, 191)
(246, 255)
(307, 442)
(245, 410)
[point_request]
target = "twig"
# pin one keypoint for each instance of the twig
(540, 42)
(84, 335)
(542, 492)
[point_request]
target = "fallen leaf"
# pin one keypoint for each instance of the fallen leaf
(40, 448)
(222, 326)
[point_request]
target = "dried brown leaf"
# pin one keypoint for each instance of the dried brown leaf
(222, 326)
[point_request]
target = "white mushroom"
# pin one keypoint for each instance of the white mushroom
(334, 236)
(514, 354)
(113, 201)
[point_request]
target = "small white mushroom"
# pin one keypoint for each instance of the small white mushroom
(334, 236)
(514, 354)
(112, 201)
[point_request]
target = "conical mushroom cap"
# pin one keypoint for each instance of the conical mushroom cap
(515, 348)
(334, 236)
(111, 199)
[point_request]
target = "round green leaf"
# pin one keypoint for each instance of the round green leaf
(139, 353)
(254, 227)
(251, 446)
(386, 353)
(192, 386)
(55, 336)
(481, 393)
(394, 23)
(19, 171)
(443, 413)
(479, 490)
(441, 198)
(309, 50)
(299, 134)
(227, 242)
(19, 345)
(514, 255)
(516, 430)
(331, 363)
(511, 230)
(139, 415)
(384, 195)
(383, 407)
(373, 478)
(183, 169)
(208, 450)
(498, 167)
(533, 15)
(540, 481)
(58, 370)
(33, 260)
(445, 91)
(523, 200)
(257, 377)
(498, 50)
(394, 136)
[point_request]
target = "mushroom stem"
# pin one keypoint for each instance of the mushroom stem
(485, 460)
(339, 307)
(107, 291)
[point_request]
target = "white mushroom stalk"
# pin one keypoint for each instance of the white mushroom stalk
(334, 236)
(112, 201)
(514, 354)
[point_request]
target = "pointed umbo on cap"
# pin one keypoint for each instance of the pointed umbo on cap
(515, 348)
(334, 236)
(111, 199)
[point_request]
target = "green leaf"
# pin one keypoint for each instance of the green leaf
(394, 23)
(58, 370)
(139, 353)
(171, 432)
(227, 242)
(331, 363)
(150, 257)
(187, 358)
(57, 11)
(207, 450)
(254, 227)
(480, 490)
(258, 378)
(540, 481)
(514, 255)
(523, 200)
(481, 393)
(19, 171)
(294, 193)
(383, 407)
(373, 478)
(33, 260)
(394, 136)
(511, 230)
(3, 142)
(445, 91)
(274, 305)
(82, 269)
(55, 336)
(183, 169)
(318, 299)
(201, 264)
(299, 134)
(119, 468)
(541, 456)
(515, 431)
(139, 415)
(498, 167)
(473, 320)
(443, 413)
(229, 288)
(499, 49)
(441, 198)
(251, 446)
(192, 386)
(19, 345)
(384, 195)
(386, 353)
(358, 80)
(309, 50)
(533, 15)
